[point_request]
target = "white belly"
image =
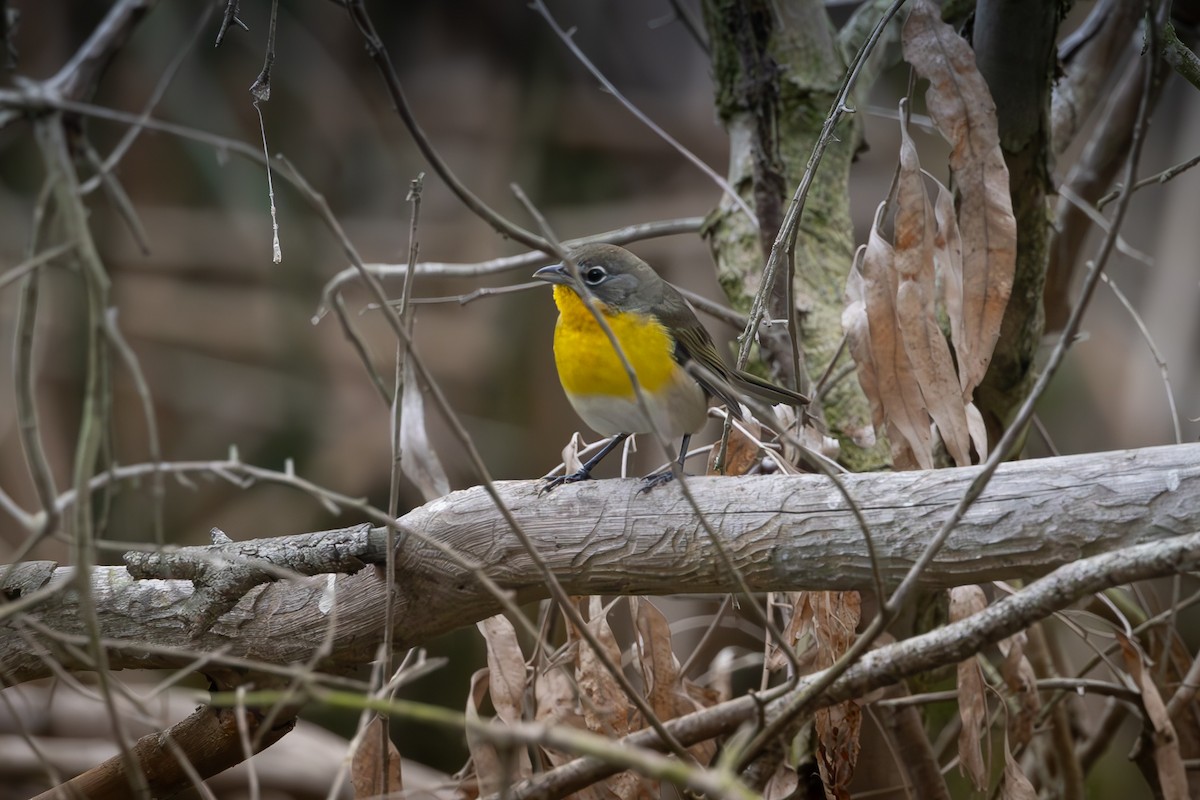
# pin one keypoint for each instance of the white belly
(679, 407)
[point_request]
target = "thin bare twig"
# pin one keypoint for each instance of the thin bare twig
(338, 303)
(1043, 432)
(260, 90)
(569, 41)
(456, 428)
(1148, 338)
(791, 219)
(560, 596)
(118, 197)
(494, 266)
(378, 53)
(142, 388)
(1169, 174)
(33, 262)
(27, 416)
(1098, 219)
(52, 143)
(1103, 732)
(802, 700)
(407, 315)
(230, 17)
(79, 77)
(894, 662)
(160, 88)
(692, 25)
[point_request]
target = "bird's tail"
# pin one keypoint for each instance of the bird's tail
(769, 391)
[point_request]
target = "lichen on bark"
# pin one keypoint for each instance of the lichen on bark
(777, 68)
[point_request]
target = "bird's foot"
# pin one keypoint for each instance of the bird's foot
(553, 483)
(656, 479)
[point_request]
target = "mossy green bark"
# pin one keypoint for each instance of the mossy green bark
(777, 68)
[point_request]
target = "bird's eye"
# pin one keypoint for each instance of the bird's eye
(593, 275)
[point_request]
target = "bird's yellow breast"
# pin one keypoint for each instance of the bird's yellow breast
(588, 364)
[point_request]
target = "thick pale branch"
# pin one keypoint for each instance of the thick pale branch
(604, 537)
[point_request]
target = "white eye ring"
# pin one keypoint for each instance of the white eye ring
(594, 275)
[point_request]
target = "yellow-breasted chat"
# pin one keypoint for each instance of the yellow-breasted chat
(673, 356)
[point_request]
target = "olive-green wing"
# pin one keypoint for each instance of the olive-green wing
(694, 344)
(697, 345)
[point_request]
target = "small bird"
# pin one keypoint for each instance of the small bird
(676, 363)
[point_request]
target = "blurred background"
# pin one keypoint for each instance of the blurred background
(227, 338)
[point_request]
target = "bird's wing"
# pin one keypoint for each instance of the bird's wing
(692, 343)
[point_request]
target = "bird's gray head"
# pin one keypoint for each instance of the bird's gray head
(615, 276)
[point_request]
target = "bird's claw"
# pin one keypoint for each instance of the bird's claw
(558, 480)
(656, 479)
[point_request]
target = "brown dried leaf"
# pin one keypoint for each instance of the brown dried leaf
(809, 437)
(797, 627)
(897, 387)
(838, 729)
(857, 328)
(605, 707)
(556, 701)
(554, 695)
(947, 262)
(966, 601)
(721, 672)
(742, 453)
(1172, 777)
(963, 111)
(418, 461)
(669, 695)
(660, 670)
(570, 454)
(695, 697)
(916, 313)
(835, 617)
(629, 786)
(556, 706)
(597, 791)
(367, 772)
(972, 697)
(506, 665)
(903, 456)
(978, 429)
(1015, 786)
(1021, 680)
(700, 697)
(491, 770)
(913, 230)
(782, 784)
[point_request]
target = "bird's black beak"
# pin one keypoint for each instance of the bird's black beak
(555, 273)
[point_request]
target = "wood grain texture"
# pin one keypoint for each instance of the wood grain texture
(603, 537)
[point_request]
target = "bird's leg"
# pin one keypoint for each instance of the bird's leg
(584, 472)
(666, 475)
